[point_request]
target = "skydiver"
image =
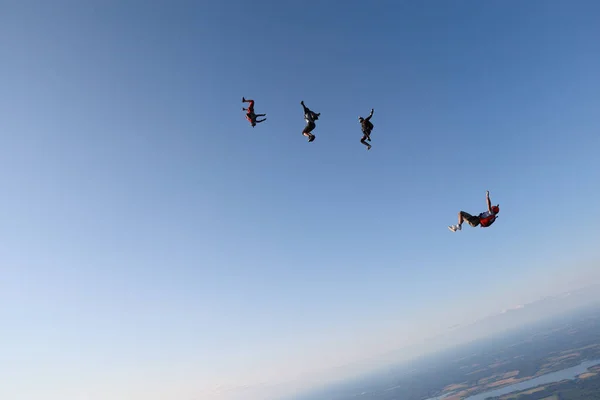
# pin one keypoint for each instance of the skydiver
(484, 219)
(250, 115)
(366, 127)
(310, 117)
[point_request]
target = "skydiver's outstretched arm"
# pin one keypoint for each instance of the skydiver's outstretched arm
(306, 109)
(489, 202)
(251, 106)
(370, 115)
(261, 115)
(258, 121)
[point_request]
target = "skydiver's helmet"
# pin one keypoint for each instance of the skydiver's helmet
(496, 209)
(360, 119)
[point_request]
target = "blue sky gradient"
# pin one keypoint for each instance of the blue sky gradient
(154, 245)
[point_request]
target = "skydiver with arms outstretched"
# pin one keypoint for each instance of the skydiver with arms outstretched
(484, 219)
(310, 117)
(366, 126)
(250, 115)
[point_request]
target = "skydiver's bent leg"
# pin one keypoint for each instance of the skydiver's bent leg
(309, 128)
(363, 141)
(307, 131)
(471, 219)
(258, 121)
(464, 216)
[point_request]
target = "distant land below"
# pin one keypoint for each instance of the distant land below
(525, 347)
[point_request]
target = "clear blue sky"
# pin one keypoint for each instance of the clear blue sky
(154, 245)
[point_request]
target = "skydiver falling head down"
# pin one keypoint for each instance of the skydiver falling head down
(250, 115)
(484, 219)
(310, 117)
(366, 127)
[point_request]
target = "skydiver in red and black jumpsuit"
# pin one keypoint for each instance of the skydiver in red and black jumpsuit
(250, 115)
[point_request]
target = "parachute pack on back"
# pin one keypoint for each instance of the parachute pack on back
(486, 221)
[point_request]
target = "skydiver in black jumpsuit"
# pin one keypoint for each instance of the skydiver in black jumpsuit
(310, 117)
(366, 127)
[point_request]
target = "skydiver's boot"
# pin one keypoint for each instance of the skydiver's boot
(311, 137)
(454, 228)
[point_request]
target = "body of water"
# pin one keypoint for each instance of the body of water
(569, 373)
